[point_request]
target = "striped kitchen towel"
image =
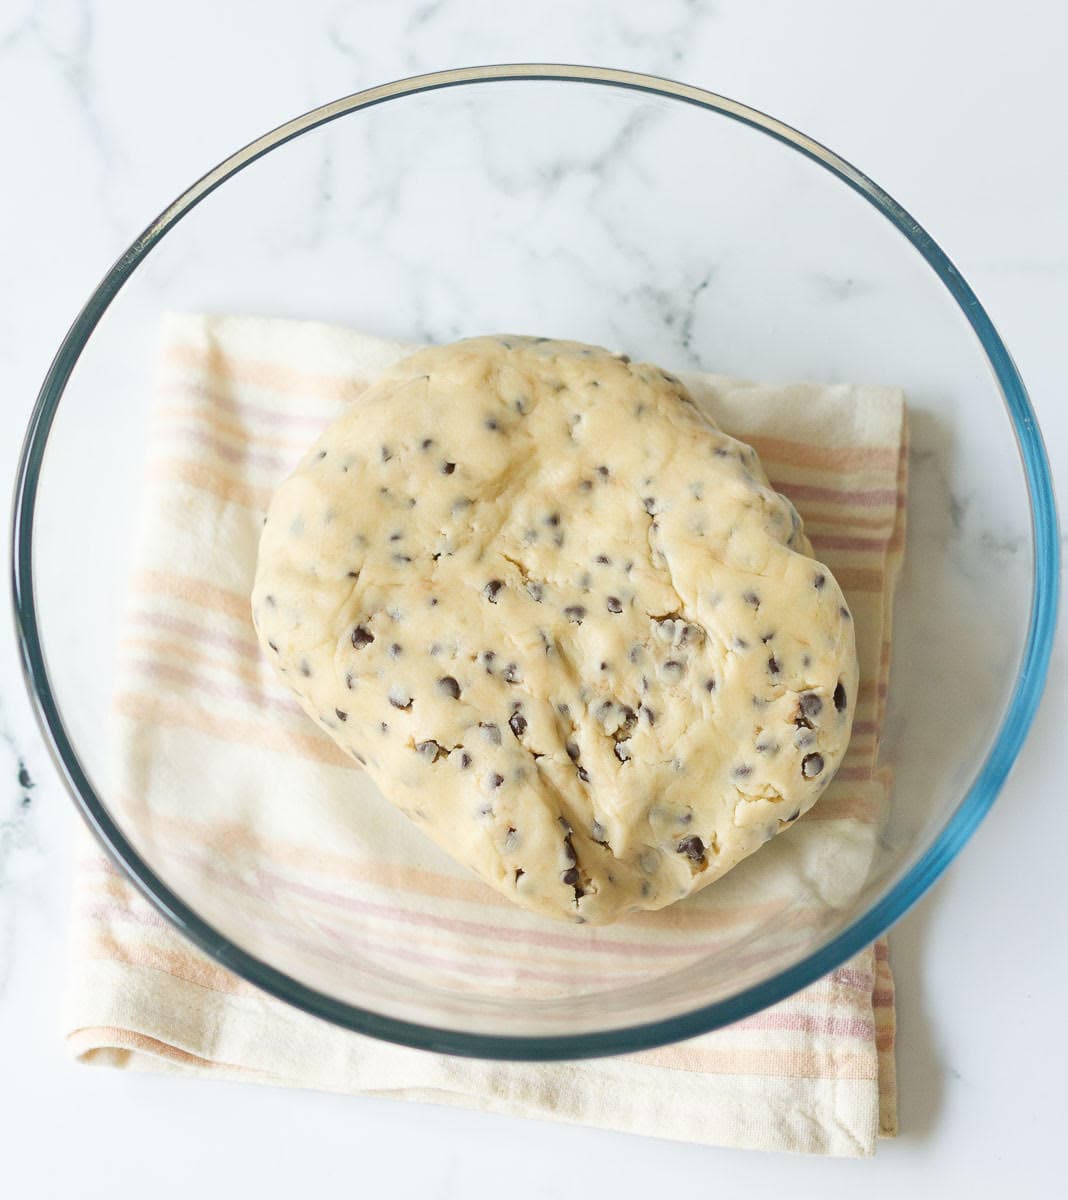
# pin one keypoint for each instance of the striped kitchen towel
(280, 842)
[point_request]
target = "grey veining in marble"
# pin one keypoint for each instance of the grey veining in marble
(21, 849)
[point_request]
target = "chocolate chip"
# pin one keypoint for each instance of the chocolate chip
(793, 816)
(575, 613)
(773, 665)
(426, 443)
(491, 590)
(553, 519)
(351, 575)
(752, 599)
(465, 761)
(512, 674)
(840, 698)
(604, 666)
(571, 876)
(305, 668)
(583, 774)
(495, 780)
(613, 604)
(693, 848)
(649, 504)
(490, 732)
(400, 699)
(447, 468)
(449, 686)
(341, 716)
(818, 581)
(430, 749)
(649, 861)
(350, 680)
(321, 454)
(395, 650)
(710, 685)
(273, 647)
(585, 485)
(648, 714)
(622, 750)
(811, 705)
(401, 559)
(811, 765)
(844, 613)
(742, 772)
(519, 873)
(603, 472)
(535, 591)
(517, 723)
(492, 424)
(603, 559)
(387, 454)
(572, 751)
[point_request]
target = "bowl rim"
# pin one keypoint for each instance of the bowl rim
(988, 781)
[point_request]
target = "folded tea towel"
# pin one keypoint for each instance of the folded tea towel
(236, 401)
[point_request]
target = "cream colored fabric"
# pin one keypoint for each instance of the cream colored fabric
(236, 401)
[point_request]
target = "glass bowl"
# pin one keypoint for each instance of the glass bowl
(612, 208)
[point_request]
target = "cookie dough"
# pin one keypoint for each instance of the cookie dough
(562, 620)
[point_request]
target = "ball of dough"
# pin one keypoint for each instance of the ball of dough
(562, 620)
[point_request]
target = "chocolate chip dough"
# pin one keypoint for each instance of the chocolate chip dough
(562, 620)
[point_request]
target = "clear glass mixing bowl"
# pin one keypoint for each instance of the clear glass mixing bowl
(611, 208)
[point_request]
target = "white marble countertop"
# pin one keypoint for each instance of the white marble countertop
(111, 109)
